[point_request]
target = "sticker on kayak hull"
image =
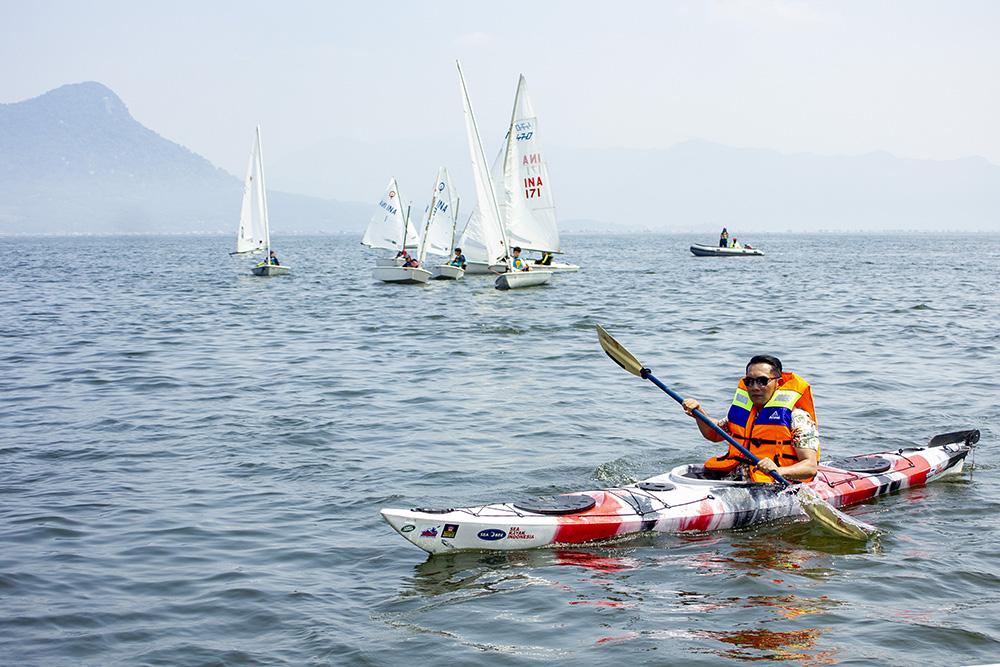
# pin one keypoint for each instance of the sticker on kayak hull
(450, 530)
(518, 534)
(491, 534)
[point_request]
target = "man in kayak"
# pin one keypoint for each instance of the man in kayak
(773, 416)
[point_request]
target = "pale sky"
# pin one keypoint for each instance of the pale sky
(917, 78)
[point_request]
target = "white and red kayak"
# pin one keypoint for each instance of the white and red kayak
(683, 500)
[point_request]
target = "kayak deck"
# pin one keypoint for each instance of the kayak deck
(683, 500)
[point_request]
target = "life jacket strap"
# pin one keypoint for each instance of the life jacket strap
(762, 441)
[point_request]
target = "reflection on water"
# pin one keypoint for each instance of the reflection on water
(605, 593)
(754, 645)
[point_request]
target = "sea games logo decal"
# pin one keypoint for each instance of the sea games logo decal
(494, 534)
(491, 534)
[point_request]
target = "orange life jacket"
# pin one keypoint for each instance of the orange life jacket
(767, 433)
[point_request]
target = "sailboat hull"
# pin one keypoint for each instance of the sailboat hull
(519, 279)
(407, 275)
(447, 272)
(482, 268)
(563, 267)
(388, 261)
(268, 270)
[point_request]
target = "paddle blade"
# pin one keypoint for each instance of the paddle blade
(832, 519)
(618, 354)
(968, 437)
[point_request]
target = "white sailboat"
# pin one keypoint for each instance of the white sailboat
(491, 231)
(520, 178)
(440, 223)
(391, 229)
(254, 233)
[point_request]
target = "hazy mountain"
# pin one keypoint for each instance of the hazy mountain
(74, 161)
(698, 184)
(693, 185)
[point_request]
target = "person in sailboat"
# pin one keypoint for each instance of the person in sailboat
(411, 262)
(519, 264)
(459, 259)
(546, 259)
(272, 260)
(772, 415)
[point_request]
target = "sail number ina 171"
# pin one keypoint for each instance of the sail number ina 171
(532, 184)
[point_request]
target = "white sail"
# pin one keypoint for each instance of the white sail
(439, 218)
(389, 227)
(529, 211)
(253, 235)
(472, 242)
(491, 225)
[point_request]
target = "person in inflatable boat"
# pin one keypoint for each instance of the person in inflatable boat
(773, 416)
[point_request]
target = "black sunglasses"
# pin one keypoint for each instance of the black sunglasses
(759, 381)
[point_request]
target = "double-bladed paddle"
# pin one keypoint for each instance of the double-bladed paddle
(818, 509)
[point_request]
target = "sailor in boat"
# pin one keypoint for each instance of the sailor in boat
(459, 259)
(270, 260)
(519, 264)
(546, 259)
(724, 238)
(411, 261)
(772, 415)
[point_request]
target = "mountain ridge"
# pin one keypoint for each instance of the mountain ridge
(73, 160)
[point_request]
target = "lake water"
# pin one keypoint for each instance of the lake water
(193, 459)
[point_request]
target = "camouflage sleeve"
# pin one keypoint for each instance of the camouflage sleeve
(805, 433)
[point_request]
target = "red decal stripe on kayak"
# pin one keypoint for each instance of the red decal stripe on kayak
(597, 523)
(701, 521)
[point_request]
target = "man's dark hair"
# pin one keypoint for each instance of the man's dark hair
(773, 362)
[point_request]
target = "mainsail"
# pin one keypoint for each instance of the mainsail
(253, 235)
(529, 214)
(490, 227)
(390, 227)
(439, 219)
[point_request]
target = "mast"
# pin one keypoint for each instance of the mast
(454, 224)
(483, 181)
(263, 197)
(406, 219)
(427, 227)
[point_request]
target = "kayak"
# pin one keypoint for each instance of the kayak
(686, 499)
(715, 251)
